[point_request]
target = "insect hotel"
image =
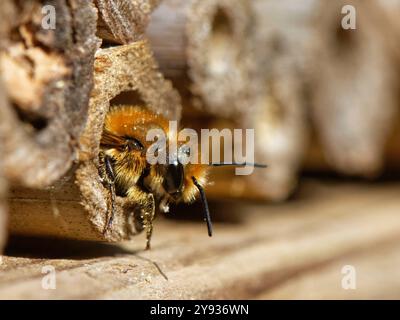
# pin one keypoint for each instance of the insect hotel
(199, 149)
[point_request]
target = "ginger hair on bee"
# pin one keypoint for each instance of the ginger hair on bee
(127, 172)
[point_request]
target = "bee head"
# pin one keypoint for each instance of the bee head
(174, 172)
(174, 184)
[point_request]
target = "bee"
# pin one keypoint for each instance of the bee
(127, 173)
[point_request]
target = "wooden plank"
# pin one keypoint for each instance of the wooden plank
(377, 276)
(258, 251)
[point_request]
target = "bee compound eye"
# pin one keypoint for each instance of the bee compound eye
(134, 144)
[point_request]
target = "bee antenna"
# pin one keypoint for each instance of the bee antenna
(207, 216)
(255, 165)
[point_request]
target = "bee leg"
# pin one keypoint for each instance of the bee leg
(144, 212)
(108, 177)
(112, 209)
(148, 217)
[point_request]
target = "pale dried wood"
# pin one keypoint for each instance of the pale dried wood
(123, 21)
(392, 152)
(277, 110)
(376, 277)
(387, 14)
(7, 14)
(279, 113)
(252, 254)
(77, 206)
(48, 78)
(354, 86)
(3, 209)
(218, 45)
(3, 182)
(204, 46)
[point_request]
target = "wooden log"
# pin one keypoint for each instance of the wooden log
(304, 243)
(279, 113)
(123, 21)
(392, 152)
(3, 210)
(387, 15)
(3, 182)
(77, 206)
(208, 58)
(7, 14)
(353, 87)
(48, 78)
(203, 46)
(281, 137)
(277, 109)
(268, 98)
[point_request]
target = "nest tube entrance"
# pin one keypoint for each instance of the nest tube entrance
(354, 94)
(77, 206)
(219, 54)
(124, 75)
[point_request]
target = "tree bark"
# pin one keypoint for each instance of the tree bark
(48, 78)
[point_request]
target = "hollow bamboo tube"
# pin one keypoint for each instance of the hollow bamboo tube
(203, 46)
(276, 109)
(279, 115)
(77, 206)
(216, 45)
(353, 87)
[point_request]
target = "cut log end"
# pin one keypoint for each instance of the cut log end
(281, 138)
(122, 73)
(123, 21)
(219, 57)
(48, 78)
(204, 45)
(354, 98)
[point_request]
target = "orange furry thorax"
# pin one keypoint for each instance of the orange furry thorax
(124, 123)
(133, 121)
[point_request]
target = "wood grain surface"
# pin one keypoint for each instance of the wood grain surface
(293, 250)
